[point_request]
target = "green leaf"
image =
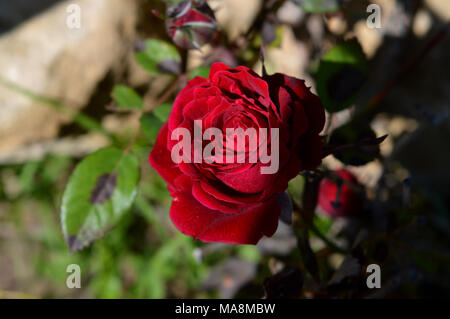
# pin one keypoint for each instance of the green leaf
(127, 98)
(341, 74)
(152, 122)
(162, 112)
(323, 223)
(296, 187)
(362, 141)
(159, 57)
(250, 253)
(101, 189)
(150, 126)
(201, 71)
(318, 6)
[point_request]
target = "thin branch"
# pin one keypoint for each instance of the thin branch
(328, 242)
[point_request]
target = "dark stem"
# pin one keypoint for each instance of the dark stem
(328, 242)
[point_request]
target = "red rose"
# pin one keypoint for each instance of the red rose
(191, 23)
(237, 203)
(349, 201)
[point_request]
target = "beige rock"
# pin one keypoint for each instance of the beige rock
(370, 39)
(67, 146)
(422, 23)
(46, 57)
(290, 58)
(235, 16)
(290, 13)
(337, 25)
(439, 7)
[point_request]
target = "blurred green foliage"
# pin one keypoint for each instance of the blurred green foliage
(143, 257)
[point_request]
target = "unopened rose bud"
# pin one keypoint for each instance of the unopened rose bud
(340, 197)
(191, 23)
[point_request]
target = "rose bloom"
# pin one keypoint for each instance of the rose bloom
(232, 202)
(349, 202)
(191, 23)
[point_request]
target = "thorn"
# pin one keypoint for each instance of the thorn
(381, 138)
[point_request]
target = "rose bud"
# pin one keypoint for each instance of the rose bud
(191, 23)
(236, 201)
(340, 197)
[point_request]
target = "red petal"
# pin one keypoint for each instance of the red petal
(185, 96)
(213, 203)
(216, 67)
(313, 106)
(349, 201)
(311, 151)
(161, 159)
(224, 193)
(246, 227)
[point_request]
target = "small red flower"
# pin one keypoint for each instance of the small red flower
(336, 198)
(191, 23)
